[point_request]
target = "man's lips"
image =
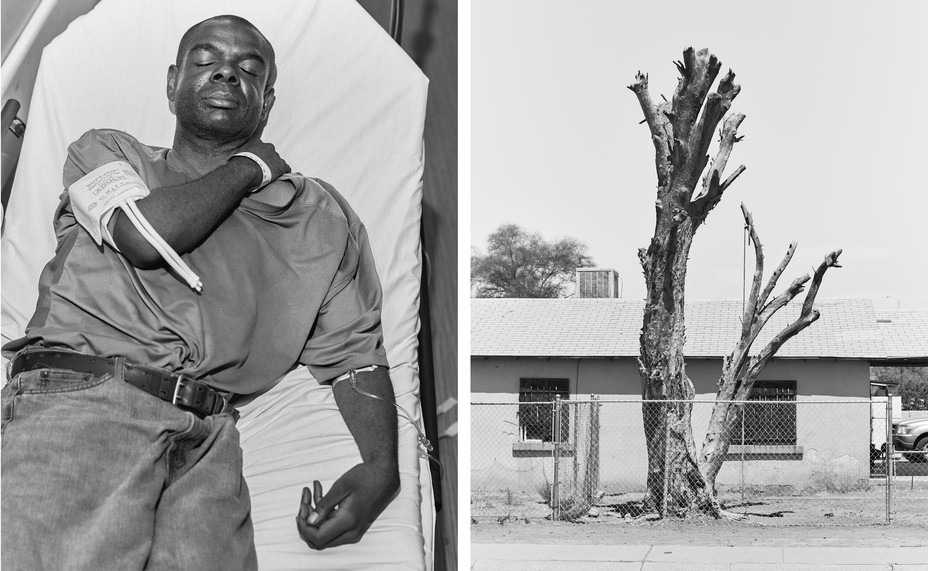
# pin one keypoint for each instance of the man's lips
(221, 100)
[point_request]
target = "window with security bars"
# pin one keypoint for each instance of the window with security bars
(770, 424)
(536, 408)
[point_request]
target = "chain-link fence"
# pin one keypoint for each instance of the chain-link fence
(787, 461)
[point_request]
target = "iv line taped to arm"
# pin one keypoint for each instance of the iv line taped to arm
(351, 377)
(114, 185)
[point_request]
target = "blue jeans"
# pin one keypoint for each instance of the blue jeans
(98, 474)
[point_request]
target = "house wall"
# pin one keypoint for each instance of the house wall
(496, 379)
(832, 439)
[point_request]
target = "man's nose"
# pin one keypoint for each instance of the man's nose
(226, 73)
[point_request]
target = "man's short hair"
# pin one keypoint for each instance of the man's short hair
(185, 41)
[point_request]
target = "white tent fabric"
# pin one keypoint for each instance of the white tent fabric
(350, 109)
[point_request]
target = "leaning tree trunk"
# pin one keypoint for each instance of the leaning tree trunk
(681, 136)
(740, 369)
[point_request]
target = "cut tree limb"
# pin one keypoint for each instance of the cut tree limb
(750, 309)
(775, 276)
(717, 104)
(830, 261)
(712, 188)
(658, 123)
(698, 73)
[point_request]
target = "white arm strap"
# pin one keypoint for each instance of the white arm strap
(114, 185)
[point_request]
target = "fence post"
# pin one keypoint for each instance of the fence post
(574, 435)
(556, 440)
(593, 456)
(888, 462)
(744, 507)
(666, 413)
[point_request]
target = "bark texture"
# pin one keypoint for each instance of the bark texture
(680, 479)
(681, 131)
(740, 369)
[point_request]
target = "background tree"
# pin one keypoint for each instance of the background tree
(523, 264)
(911, 384)
(681, 130)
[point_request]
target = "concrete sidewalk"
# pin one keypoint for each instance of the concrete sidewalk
(514, 556)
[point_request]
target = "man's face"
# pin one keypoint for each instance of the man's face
(219, 90)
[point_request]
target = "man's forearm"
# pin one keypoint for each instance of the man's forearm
(184, 215)
(372, 422)
(344, 513)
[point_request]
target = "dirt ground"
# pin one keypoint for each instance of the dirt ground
(678, 533)
(827, 519)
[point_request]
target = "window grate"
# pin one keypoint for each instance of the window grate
(536, 421)
(771, 424)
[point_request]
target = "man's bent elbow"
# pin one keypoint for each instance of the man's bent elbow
(133, 246)
(395, 483)
(138, 252)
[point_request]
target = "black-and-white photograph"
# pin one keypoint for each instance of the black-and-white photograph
(698, 313)
(676, 314)
(229, 284)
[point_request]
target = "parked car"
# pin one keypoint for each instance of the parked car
(912, 434)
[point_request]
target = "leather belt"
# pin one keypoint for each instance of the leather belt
(182, 392)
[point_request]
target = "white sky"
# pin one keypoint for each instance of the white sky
(835, 134)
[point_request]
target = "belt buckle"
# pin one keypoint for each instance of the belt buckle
(218, 404)
(185, 401)
(177, 388)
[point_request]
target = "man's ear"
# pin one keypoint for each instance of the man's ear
(269, 99)
(265, 111)
(172, 86)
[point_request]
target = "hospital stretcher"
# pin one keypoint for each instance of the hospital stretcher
(350, 110)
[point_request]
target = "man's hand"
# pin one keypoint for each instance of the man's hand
(186, 214)
(267, 153)
(345, 513)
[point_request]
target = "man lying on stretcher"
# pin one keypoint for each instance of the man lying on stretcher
(219, 274)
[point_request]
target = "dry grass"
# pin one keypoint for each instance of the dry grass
(860, 508)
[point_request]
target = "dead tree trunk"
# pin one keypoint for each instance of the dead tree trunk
(681, 136)
(740, 370)
(680, 482)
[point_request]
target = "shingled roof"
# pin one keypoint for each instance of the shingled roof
(905, 333)
(611, 327)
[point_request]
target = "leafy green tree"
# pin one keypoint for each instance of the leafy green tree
(519, 263)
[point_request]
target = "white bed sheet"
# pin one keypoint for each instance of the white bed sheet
(350, 110)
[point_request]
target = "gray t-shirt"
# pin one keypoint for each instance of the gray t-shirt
(281, 285)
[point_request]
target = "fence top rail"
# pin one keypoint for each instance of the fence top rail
(859, 401)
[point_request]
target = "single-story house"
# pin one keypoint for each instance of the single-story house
(816, 435)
